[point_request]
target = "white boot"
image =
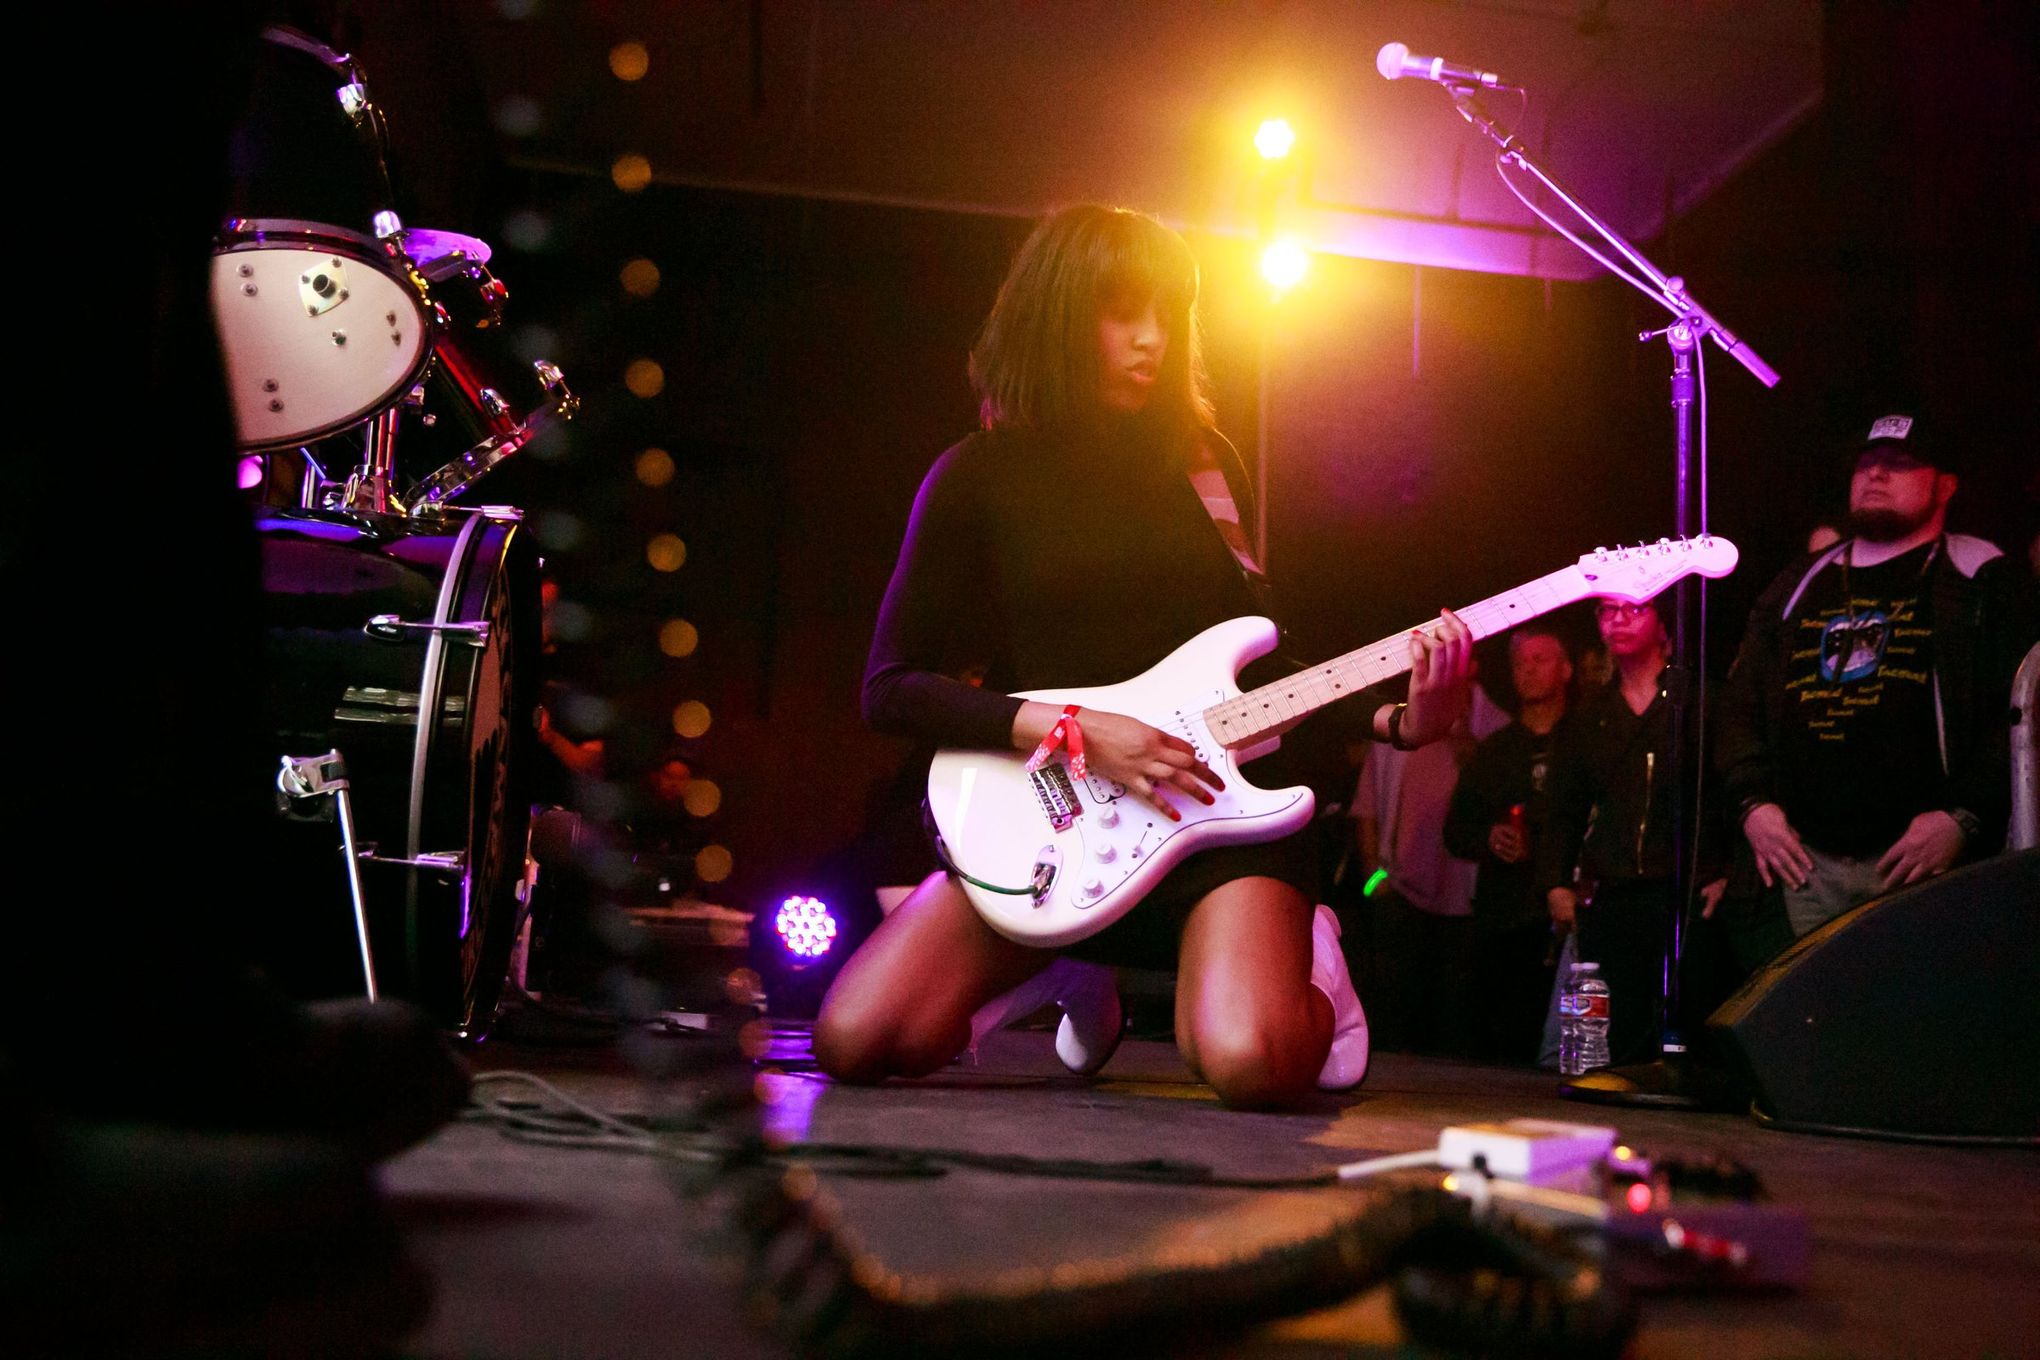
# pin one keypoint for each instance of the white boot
(1346, 1064)
(1088, 994)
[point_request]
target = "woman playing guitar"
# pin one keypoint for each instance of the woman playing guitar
(1066, 543)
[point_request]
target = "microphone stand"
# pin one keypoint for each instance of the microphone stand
(1671, 1081)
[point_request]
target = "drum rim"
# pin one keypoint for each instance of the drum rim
(252, 233)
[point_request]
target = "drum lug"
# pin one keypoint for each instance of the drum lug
(564, 403)
(391, 628)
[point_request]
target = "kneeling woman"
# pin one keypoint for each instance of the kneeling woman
(1066, 545)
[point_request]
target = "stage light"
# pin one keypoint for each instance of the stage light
(630, 172)
(691, 719)
(702, 798)
(655, 467)
(629, 61)
(678, 637)
(253, 469)
(1275, 139)
(644, 378)
(806, 926)
(1640, 1197)
(1284, 264)
(666, 553)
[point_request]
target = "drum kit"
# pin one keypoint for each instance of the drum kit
(372, 384)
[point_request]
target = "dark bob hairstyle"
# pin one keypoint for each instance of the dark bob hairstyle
(1036, 363)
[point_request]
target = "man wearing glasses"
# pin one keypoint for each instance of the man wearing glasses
(1862, 737)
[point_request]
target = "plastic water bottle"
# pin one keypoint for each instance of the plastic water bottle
(1583, 1021)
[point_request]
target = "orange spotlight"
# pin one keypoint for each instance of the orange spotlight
(1274, 139)
(1284, 264)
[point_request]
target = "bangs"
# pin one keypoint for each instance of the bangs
(1141, 258)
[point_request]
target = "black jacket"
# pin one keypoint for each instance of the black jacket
(1610, 811)
(1983, 618)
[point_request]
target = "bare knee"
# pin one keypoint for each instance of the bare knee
(861, 1049)
(846, 1050)
(1258, 1067)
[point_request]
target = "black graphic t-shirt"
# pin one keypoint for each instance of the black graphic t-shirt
(1861, 748)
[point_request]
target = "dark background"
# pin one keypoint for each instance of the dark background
(1434, 436)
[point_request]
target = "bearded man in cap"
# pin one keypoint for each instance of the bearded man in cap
(1863, 734)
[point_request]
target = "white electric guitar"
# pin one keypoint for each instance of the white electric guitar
(1048, 858)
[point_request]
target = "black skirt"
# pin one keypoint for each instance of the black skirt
(1150, 934)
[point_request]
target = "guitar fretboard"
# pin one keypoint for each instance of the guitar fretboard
(1258, 713)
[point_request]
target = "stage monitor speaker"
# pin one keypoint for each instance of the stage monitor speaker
(1914, 1016)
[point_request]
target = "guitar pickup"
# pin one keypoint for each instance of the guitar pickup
(1057, 796)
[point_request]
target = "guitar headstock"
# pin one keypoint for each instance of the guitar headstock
(1643, 571)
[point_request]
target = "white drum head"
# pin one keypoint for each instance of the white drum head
(319, 333)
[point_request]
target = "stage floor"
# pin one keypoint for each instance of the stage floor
(546, 1251)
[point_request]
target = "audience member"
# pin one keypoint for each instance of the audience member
(1420, 996)
(1606, 862)
(1862, 736)
(1497, 819)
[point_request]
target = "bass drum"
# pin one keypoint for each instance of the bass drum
(410, 649)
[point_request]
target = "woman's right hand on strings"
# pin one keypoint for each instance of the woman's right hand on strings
(1147, 760)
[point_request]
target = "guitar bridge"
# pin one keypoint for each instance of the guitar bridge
(1057, 796)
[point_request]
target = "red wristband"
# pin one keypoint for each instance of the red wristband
(1065, 729)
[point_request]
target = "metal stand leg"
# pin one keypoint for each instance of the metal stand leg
(318, 776)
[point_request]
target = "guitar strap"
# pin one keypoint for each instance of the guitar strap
(1219, 476)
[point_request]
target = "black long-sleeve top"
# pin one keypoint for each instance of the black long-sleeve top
(1051, 562)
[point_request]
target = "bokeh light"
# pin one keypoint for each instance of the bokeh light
(702, 797)
(691, 718)
(655, 467)
(629, 61)
(645, 378)
(666, 553)
(712, 864)
(678, 637)
(630, 172)
(640, 278)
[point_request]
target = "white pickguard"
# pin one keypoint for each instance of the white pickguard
(1105, 857)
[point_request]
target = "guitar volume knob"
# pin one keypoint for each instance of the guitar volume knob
(1108, 815)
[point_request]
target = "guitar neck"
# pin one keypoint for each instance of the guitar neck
(1262, 712)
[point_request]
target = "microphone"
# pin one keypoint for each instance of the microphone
(1395, 62)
